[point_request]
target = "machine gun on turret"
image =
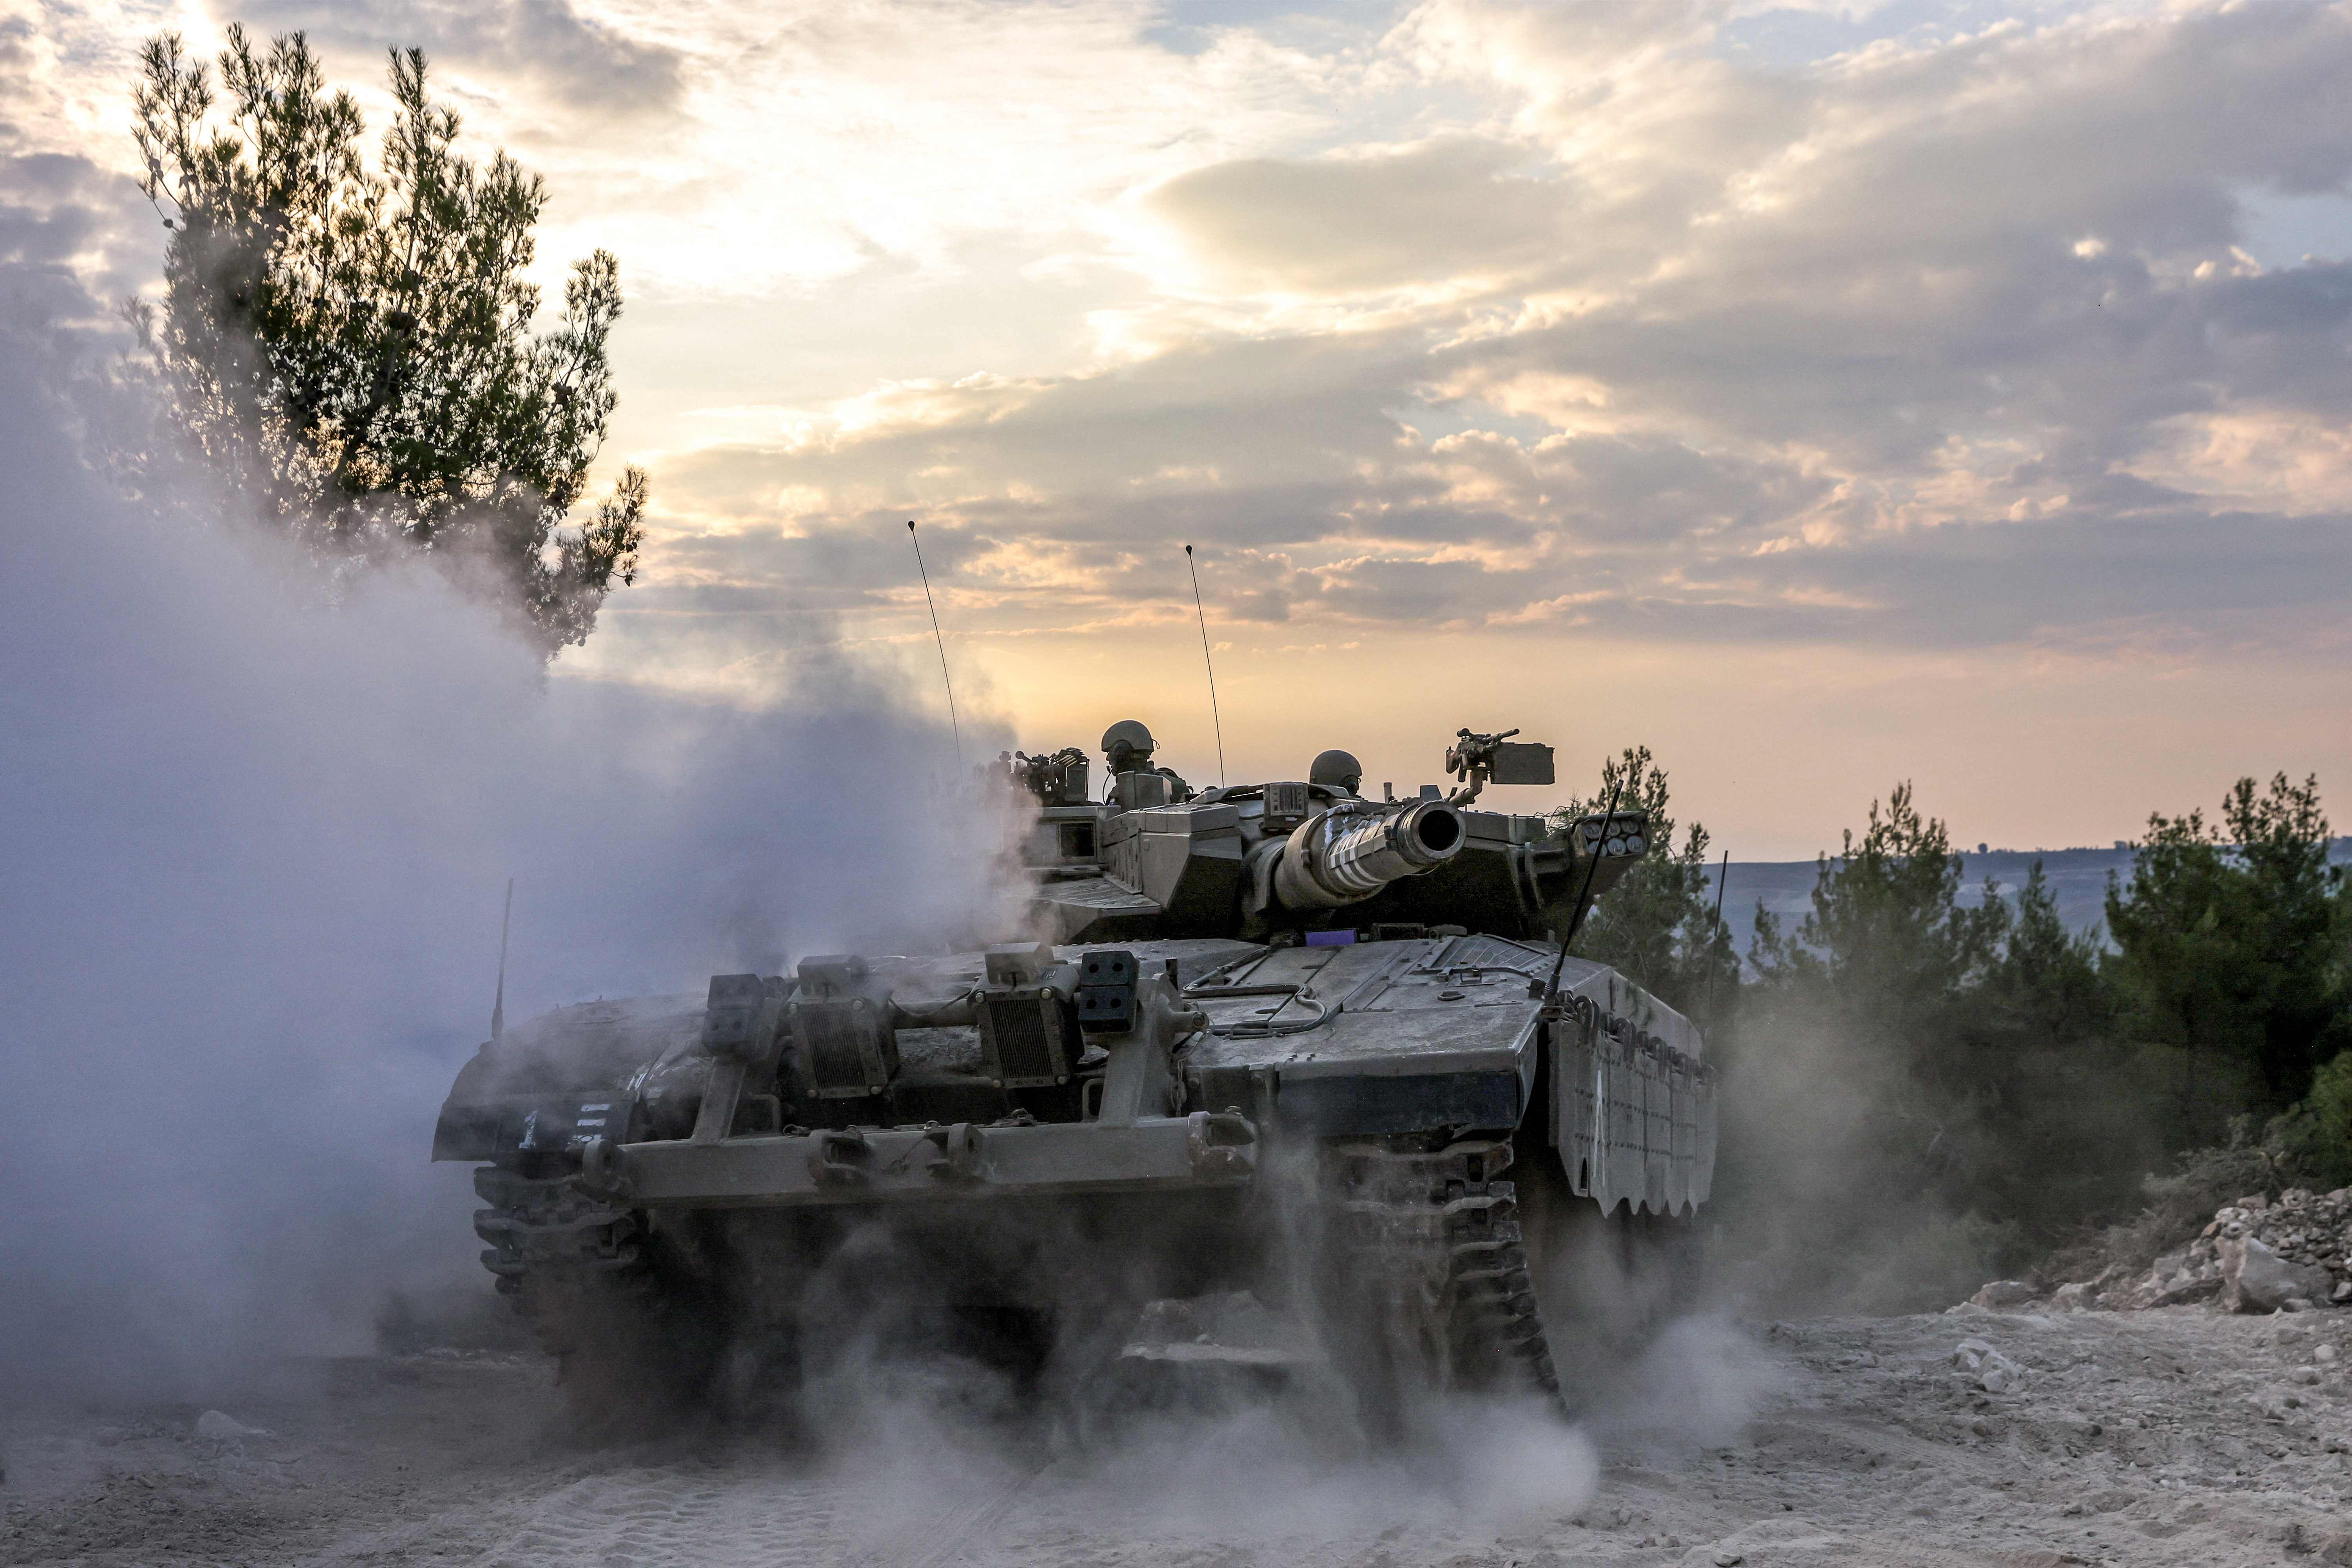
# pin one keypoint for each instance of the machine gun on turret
(1055, 779)
(1481, 760)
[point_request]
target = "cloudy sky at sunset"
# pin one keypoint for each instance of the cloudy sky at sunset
(1820, 395)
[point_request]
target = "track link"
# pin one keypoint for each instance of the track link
(537, 1225)
(1433, 1233)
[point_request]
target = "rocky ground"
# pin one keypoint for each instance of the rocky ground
(2172, 1435)
(2291, 1254)
(2256, 1254)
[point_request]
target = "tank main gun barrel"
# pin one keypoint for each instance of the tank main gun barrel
(1343, 856)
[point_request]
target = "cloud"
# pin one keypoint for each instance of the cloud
(1455, 212)
(582, 65)
(69, 232)
(1947, 340)
(1487, 317)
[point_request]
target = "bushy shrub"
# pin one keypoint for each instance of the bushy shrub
(2318, 1132)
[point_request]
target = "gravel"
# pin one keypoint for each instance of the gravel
(2177, 1435)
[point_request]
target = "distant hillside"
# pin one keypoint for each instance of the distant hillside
(2078, 878)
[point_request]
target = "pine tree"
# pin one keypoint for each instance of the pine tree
(352, 348)
(2230, 943)
(1657, 925)
(1887, 936)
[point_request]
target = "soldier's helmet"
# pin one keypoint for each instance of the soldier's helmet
(1128, 744)
(1339, 769)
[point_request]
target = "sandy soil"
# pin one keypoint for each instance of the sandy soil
(2168, 1436)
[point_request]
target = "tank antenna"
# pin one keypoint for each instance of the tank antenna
(1584, 894)
(945, 678)
(498, 1007)
(1215, 717)
(1722, 876)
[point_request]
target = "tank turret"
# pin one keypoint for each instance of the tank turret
(1253, 859)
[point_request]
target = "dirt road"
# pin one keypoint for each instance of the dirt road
(2171, 1437)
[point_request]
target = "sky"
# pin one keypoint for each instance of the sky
(1823, 396)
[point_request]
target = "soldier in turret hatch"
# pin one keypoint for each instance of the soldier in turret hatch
(1134, 783)
(1337, 769)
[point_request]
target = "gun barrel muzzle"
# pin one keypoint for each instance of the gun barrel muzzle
(1336, 857)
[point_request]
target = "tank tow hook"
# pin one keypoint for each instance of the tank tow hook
(960, 1147)
(840, 1159)
(1220, 1143)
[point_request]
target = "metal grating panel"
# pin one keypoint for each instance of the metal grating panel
(838, 1053)
(1025, 1037)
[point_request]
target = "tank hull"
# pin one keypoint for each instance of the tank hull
(1362, 1039)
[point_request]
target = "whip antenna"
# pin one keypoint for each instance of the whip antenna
(1551, 992)
(1214, 717)
(1721, 878)
(498, 1007)
(945, 678)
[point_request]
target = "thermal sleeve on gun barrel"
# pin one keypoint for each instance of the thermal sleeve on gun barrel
(1338, 858)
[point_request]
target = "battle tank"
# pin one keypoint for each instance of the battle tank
(1275, 1044)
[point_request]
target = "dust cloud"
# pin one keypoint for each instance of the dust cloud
(1271, 1472)
(1826, 1190)
(1267, 1468)
(254, 850)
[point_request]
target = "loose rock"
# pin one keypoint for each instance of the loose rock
(2259, 1280)
(1986, 1368)
(2002, 1294)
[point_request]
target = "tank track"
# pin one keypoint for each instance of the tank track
(545, 1227)
(1432, 1236)
(583, 1274)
